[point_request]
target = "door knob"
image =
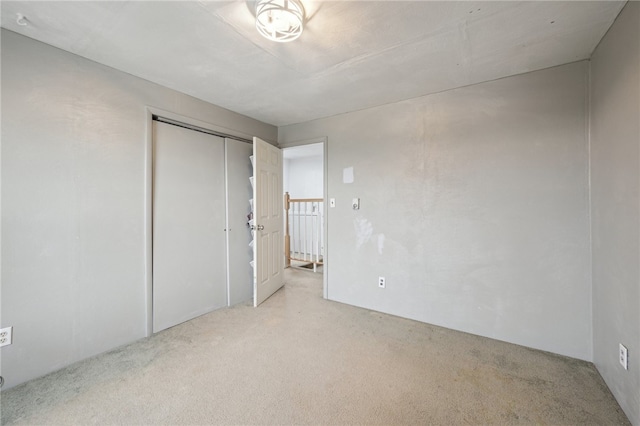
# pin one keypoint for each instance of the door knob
(259, 227)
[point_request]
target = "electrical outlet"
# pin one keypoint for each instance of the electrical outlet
(381, 282)
(624, 361)
(5, 336)
(332, 202)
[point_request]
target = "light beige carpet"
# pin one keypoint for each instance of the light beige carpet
(299, 359)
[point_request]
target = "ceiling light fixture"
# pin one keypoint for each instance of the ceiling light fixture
(279, 20)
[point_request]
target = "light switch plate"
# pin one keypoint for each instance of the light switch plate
(624, 360)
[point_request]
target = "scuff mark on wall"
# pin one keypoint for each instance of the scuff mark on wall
(364, 234)
(364, 230)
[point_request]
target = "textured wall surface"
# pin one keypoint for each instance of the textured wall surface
(73, 203)
(474, 206)
(615, 183)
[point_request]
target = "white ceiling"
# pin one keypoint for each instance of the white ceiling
(352, 54)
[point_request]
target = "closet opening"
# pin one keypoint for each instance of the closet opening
(199, 192)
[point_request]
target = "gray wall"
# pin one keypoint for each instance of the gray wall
(474, 206)
(73, 203)
(615, 198)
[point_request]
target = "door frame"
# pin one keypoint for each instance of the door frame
(151, 111)
(325, 183)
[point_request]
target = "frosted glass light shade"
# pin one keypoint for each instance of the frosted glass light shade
(279, 20)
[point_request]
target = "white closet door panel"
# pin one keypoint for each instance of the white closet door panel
(239, 192)
(189, 243)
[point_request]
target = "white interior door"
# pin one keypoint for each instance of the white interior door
(189, 244)
(269, 222)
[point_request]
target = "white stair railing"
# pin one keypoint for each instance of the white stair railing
(304, 230)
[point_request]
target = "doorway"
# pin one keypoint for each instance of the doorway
(305, 221)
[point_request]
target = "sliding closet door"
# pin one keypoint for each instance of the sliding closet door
(189, 242)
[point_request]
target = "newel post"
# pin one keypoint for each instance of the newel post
(287, 238)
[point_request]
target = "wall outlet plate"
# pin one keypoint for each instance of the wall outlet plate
(6, 336)
(332, 202)
(624, 360)
(382, 282)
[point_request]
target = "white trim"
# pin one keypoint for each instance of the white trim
(322, 140)
(226, 217)
(148, 221)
